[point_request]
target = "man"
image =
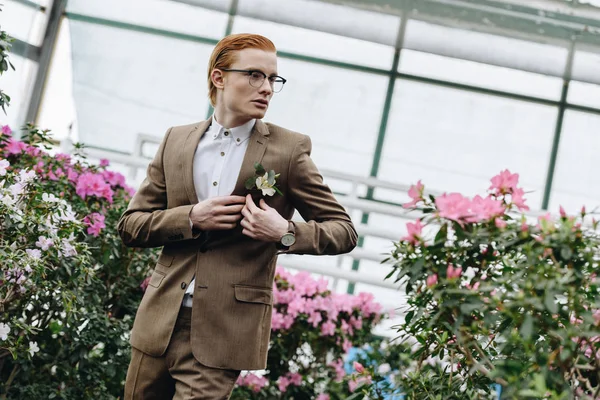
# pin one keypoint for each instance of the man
(206, 313)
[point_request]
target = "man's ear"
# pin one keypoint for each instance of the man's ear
(217, 78)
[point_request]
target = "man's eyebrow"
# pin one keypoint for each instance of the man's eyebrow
(260, 70)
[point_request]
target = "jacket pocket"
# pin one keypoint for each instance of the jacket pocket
(253, 294)
(156, 279)
(165, 259)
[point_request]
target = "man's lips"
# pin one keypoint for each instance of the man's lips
(261, 101)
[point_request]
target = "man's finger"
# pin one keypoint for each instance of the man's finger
(232, 208)
(248, 233)
(229, 218)
(250, 204)
(246, 213)
(263, 204)
(228, 200)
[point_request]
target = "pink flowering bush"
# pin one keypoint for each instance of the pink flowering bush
(68, 287)
(312, 331)
(496, 304)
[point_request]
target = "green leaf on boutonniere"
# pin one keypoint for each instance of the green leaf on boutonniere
(260, 170)
(250, 183)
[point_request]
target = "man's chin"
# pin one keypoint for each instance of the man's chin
(257, 114)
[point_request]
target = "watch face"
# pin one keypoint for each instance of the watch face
(288, 239)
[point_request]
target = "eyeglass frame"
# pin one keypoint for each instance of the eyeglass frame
(251, 71)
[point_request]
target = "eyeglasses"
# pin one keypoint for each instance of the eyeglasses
(257, 78)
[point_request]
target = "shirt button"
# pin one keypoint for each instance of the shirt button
(215, 183)
(238, 140)
(222, 153)
(183, 285)
(226, 133)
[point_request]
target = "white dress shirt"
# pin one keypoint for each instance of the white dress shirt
(217, 164)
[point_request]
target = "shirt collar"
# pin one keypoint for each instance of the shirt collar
(239, 134)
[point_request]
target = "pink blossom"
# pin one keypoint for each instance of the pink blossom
(289, 379)
(368, 306)
(328, 329)
(356, 322)
(583, 210)
(282, 384)
(416, 194)
(6, 130)
(358, 382)
(104, 162)
(33, 151)
(518, 200)
(500, 223)
(346, 345)
(314, 318)
(252, 381)
(453, 206)
(295, 378)
(72, 175)
(95, 223)
(338, 367)
(414, 232)
(280, 321)
(432, 280)
(562, 211)
(358, 367)
(145, 282)
(346, 328)
(505, 182)
(63, 157)
(90, 184)
(545, 222)
(474, 287)
(323, 396)
(113, 178)
(484, 209)
(14, 147)
(453, 273)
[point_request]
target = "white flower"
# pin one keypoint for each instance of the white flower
(16, 189)
(262, 183)
(44, 243)
(3, 165)
(33, 348)
(384, 369)
(34, 253)
(4, 331)
(49, 198)
(68, 249)
(26, 176)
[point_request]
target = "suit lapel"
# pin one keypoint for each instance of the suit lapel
(254, 153)
(187, 161)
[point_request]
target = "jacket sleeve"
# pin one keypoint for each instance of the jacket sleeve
(147, 222)
(328, 229)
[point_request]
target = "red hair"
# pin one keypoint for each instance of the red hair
(223, 54)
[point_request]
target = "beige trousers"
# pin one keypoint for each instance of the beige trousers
(177, 374)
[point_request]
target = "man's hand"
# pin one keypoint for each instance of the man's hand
(217, 213)
(262, 223)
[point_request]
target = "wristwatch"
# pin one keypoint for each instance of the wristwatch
(289, 238)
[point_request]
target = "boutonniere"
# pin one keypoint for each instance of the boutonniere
(263, 180)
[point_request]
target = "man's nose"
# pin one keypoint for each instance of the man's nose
(266, 87)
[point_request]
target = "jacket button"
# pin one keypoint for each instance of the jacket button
(183, 285)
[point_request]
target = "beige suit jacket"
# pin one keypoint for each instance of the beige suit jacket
(232, 304)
